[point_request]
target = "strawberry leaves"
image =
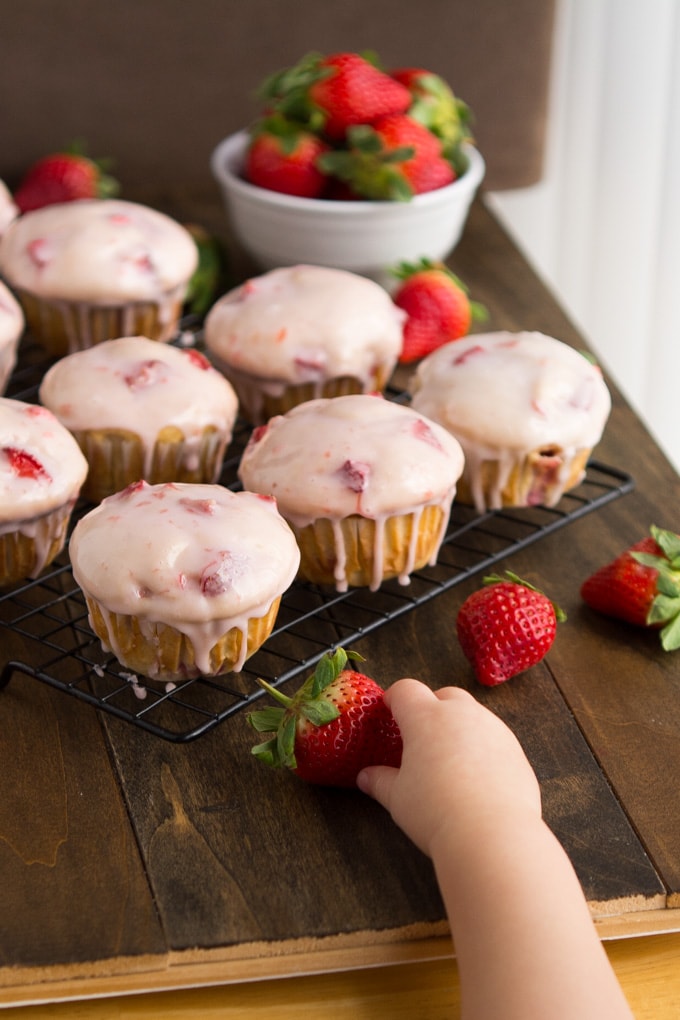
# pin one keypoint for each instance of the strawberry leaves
(334, 725)
(282, 721)
(664, 610)
(641, 586)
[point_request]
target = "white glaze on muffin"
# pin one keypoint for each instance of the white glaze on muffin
(199, 558)
(357, 455)
(41, 466)
(11, 328)
(41, 474)
(137, 384)
(506, 396)
(306, 324)
(100, 251)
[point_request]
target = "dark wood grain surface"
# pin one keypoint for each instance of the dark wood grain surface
(122, 853)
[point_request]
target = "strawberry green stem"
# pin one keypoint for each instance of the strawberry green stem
(282, 698)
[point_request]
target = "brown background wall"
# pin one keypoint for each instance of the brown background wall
(157, 83)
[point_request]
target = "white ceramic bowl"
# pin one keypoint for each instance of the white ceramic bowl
(363, 237)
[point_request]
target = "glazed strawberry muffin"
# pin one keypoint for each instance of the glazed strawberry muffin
(302, 332)
(140, 409)
(41, 474)
(92, 270)
(526, 408)
(365, 483)
(183, 580)
(11, 328)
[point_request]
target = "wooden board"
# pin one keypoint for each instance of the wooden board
(131, 863)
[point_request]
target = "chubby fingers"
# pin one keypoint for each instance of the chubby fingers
(411, 703)
(402, 698)
(408, 698)
(377, 781)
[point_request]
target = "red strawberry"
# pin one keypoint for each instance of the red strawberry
(392, 159)
(436, 107)
(437, 307)
(506, 627)
(353, 91)
(24, 464)
(334, 725)
(282, 156)
(63, 177)
(331, 93)
(642, 586)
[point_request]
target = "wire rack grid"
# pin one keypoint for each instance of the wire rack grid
(45, 629)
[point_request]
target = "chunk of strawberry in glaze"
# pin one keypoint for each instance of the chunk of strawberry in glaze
(355, 475)
(464, 356)
(131, 489)
(310, 365)
(145, 263)
(39, 252)
(144, 374)
(197, 359)
(421, 430)
(198, 506)
(219, 576)
(258, 433)
(24, 465)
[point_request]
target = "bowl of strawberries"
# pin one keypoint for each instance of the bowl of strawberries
(350, 166)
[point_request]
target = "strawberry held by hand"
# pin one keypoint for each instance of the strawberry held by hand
(642, 586)
(63, 177)
(336, 724)
(282, 157)
(437, 307)
(506, 627)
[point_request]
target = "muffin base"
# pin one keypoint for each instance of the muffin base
(160, 652)
(360, 552)
(32, 545)
(62, 327)
(539, 479)
(118, 457)
(261, 399)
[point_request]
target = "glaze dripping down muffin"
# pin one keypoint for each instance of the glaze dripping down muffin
(41, 474)
(365, 483)
(140, 409)
(11, 328)
(183, 580)
(526, 408)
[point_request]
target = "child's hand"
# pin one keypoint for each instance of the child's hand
(461, 767)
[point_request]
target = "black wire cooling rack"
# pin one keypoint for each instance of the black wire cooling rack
(50, 614)
(46, 634)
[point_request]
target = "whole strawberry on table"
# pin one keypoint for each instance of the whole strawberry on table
(336, 724)
(641, 586)
(506, 627)
(339, 126)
